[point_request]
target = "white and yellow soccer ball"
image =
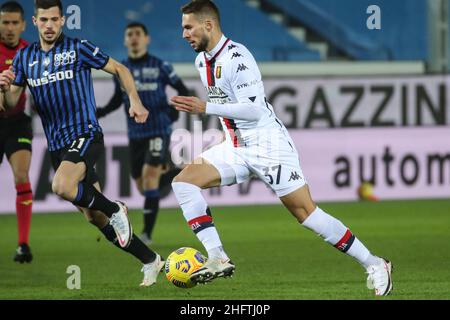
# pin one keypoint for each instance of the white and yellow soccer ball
(181, 263)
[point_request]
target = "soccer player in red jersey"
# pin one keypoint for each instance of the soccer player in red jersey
(15, 127)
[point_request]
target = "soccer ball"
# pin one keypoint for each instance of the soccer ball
(365, 192)
(181, 264)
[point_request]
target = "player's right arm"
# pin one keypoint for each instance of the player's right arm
(10, 94)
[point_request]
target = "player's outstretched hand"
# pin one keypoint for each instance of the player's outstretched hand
(138, 112)
(189, 104)
(6, 79)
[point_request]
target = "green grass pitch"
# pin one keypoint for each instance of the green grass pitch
(275, 257)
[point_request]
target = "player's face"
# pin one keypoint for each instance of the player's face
(194, 31)
(49, 23)
(11, 27)
(136, 40)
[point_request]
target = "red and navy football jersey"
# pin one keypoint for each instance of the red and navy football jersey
(6, 60)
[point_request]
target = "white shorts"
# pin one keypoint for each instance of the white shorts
(276, 163)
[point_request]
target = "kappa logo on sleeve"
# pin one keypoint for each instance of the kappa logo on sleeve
(241, 67)
(236, 55)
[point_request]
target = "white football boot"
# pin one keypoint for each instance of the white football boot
(213, 268)
(380, 278)
(122, 226)
(151, 271)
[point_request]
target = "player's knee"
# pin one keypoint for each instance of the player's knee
(62, 187)
(181, 177)
(57, 187)
(189, 175)
(151, 173)
(199, 180)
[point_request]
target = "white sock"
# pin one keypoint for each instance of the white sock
(195, 211)
(339, 236)
(217, 253)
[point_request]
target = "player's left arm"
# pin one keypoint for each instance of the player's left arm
(137, 110)
(245, 81)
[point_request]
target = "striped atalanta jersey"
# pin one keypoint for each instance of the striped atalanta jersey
(151, 76)
(230, 74)
(60, 82)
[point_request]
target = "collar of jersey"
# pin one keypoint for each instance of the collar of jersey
(140, 59)
(217, 49)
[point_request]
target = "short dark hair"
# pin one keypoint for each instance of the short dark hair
(137, 25)
(47, 4)
(202, 8)
(12, 6)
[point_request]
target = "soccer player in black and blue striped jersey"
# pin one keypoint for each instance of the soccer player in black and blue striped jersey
(57, 70)
(149, 141)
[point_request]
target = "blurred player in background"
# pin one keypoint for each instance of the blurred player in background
(257, 144)
(148, 142)
(57, 70)
(15, 127)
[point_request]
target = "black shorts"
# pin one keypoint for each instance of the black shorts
(15, 134)
(87, 148)
(152, 151)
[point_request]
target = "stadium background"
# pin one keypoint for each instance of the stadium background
(325, 80)
(361, 104)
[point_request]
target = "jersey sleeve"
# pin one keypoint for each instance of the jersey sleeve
(18, 70)
(92, 56)
(245, 81)
(245, 78)
(169, 73)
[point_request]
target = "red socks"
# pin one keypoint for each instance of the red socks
(24, 204)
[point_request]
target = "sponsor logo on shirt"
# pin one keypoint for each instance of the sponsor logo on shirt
(150, 73)
(65, 58)
(50, 78)
(247, 84)
(146, 86)
(217, 95)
